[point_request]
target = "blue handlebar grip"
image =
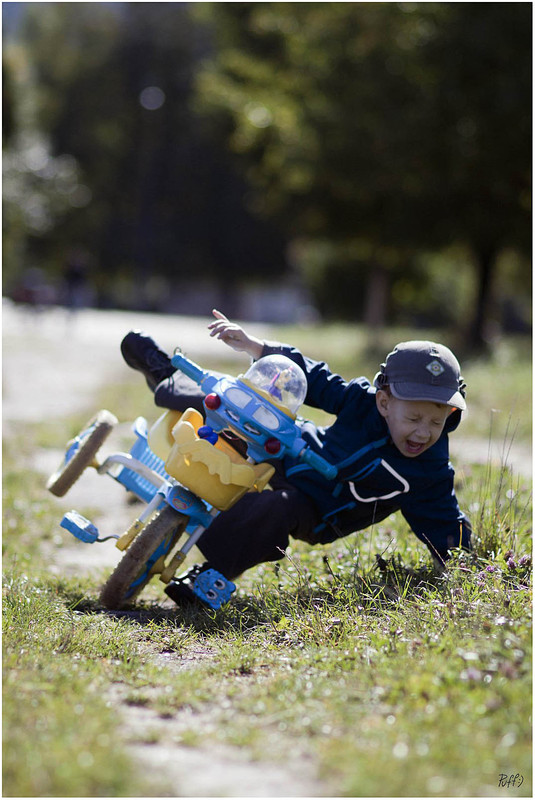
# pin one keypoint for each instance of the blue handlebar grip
(189, 368)
(318, 463)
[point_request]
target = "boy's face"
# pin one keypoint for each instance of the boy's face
(414, 425)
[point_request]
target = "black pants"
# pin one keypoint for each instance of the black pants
(258, 527)
(178, 393)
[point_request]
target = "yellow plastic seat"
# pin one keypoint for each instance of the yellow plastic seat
(217, 473)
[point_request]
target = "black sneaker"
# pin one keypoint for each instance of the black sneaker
(181, 589)
(142, 353)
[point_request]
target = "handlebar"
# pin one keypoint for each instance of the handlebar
(189, 368)
(224, 414)
(318, 463)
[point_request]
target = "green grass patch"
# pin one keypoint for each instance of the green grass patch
(59, 731)
(61, 654)
(358, 657)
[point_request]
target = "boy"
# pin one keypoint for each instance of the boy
(389, 442)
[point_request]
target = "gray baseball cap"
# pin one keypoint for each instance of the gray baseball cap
(420, 370)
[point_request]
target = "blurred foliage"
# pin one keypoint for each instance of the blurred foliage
(378, 151)
(109, 84)
(381, 131)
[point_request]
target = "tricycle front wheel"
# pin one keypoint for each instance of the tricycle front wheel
(135, 569)
(81, 452)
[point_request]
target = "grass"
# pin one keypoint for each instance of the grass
(357, 657)
(57, 664)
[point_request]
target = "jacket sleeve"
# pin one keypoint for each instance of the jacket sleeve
(435, 517)
(326, 390)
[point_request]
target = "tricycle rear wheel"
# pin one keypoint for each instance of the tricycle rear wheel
(134, 570)
(89, 441)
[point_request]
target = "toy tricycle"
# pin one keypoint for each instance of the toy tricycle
(186, 470)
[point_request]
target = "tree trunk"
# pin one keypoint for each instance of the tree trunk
(486, 262)
(375, 310)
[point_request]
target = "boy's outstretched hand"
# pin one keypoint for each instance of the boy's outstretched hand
(234, 335)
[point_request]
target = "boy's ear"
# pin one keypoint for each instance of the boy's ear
(382, 401)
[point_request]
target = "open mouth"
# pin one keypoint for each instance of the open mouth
(414, 448)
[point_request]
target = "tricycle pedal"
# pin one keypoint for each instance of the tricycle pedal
(213, 588)
(80, 527)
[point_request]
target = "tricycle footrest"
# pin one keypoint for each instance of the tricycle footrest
(80, 527)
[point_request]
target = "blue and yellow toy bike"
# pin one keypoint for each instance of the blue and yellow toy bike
(186, 471)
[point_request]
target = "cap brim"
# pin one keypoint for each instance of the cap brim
(433, 394)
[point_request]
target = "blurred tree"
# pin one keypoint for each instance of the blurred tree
(375, 135)
(114, 92)
(8, 103)
(483, 63)
(376, 131)
(37, 188)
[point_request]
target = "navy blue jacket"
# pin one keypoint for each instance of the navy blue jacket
(374, 478)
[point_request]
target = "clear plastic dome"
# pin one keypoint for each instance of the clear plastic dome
(281, 378)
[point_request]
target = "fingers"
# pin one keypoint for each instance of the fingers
(231, 334)
(218, 314)
(234, 335)
(222, 327)
(226, 331)
(221, 321)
